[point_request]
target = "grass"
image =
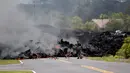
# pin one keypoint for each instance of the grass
(16, 72)
(110, 59)
(6, 62)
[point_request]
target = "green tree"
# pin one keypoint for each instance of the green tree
(77, 22)
(89, 25)
(115, 24)
(123, 17)
(119, 15)
(103, 16)
(119, 21)
(126, 19)
(125, 49)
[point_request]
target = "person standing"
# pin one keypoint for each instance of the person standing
(68, 53)
(79, 50)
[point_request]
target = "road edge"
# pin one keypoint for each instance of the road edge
(20, 62)
(33, 71)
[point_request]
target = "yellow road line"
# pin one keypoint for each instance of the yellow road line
(64, 61)
(88, 67)
(96, 69)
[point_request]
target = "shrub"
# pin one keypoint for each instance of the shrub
(125, 49)
(118, 57)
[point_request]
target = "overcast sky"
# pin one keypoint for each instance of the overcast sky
(25, 1)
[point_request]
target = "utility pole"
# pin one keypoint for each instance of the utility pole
(34, 8)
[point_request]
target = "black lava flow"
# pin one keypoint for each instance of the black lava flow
(90, 43)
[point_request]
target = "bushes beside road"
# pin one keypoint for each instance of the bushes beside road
(125, 49)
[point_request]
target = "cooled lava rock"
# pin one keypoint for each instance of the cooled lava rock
(104, 43)
(97, 43)
(90, 43)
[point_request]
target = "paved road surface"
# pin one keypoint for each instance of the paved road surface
(71, 65)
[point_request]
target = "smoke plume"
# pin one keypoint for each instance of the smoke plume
(17, 26)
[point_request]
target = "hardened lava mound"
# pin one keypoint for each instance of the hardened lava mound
(90, 44)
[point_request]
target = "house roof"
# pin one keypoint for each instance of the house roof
(101, 22)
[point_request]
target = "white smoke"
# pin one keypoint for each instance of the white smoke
(17, 27)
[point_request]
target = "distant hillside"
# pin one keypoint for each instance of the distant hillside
(93, 8)
(86, 9)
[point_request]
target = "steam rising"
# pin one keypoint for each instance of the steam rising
(17, 27)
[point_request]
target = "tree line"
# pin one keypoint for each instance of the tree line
(117, 21)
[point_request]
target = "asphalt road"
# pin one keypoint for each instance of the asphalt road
(71, 65)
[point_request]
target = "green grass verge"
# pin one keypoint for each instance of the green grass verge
(109, 59)
(16, 72)
(6, 62)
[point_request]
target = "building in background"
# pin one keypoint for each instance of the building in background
(101, 23)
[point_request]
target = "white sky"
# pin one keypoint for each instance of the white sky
(26, 1)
